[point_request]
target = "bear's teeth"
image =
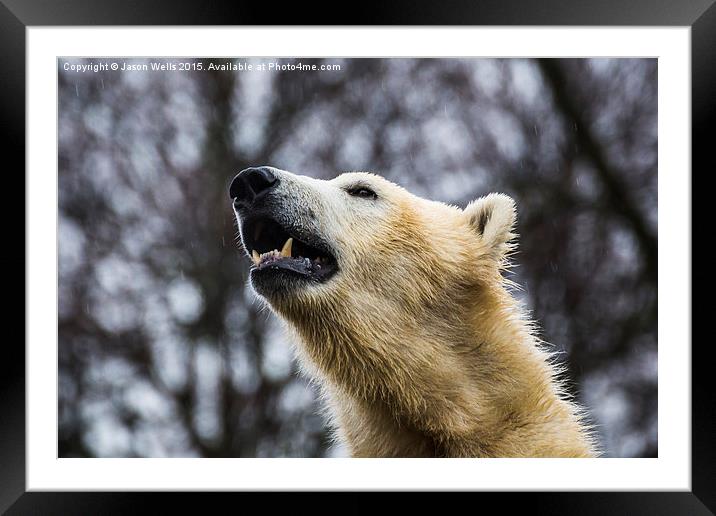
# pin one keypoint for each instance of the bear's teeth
(286, 250)
(256, 257)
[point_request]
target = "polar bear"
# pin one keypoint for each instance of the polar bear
(402, 316)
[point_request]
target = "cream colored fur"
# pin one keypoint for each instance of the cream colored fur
(418, 345)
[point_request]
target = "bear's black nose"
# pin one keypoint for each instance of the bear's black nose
(250, 183)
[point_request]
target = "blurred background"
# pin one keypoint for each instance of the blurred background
(163, 349)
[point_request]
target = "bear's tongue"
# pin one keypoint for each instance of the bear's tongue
(284, 259)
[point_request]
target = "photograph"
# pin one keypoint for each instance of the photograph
(357, 257)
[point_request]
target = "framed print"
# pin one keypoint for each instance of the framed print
(414, 258)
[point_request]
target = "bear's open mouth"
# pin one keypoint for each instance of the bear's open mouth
(274, 248)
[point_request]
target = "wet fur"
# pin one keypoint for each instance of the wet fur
(417, 343)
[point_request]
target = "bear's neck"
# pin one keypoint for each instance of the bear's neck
(470, 383)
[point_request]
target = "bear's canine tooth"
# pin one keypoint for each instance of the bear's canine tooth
(286, 250)
(256, 257)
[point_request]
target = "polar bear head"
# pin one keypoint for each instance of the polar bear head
(362, 241)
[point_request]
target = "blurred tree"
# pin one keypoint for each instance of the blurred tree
(163, 350)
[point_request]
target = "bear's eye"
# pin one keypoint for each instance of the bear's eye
(362, 191)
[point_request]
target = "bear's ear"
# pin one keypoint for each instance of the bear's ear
(493, 217)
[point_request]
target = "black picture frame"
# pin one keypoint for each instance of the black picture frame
(17, 15)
